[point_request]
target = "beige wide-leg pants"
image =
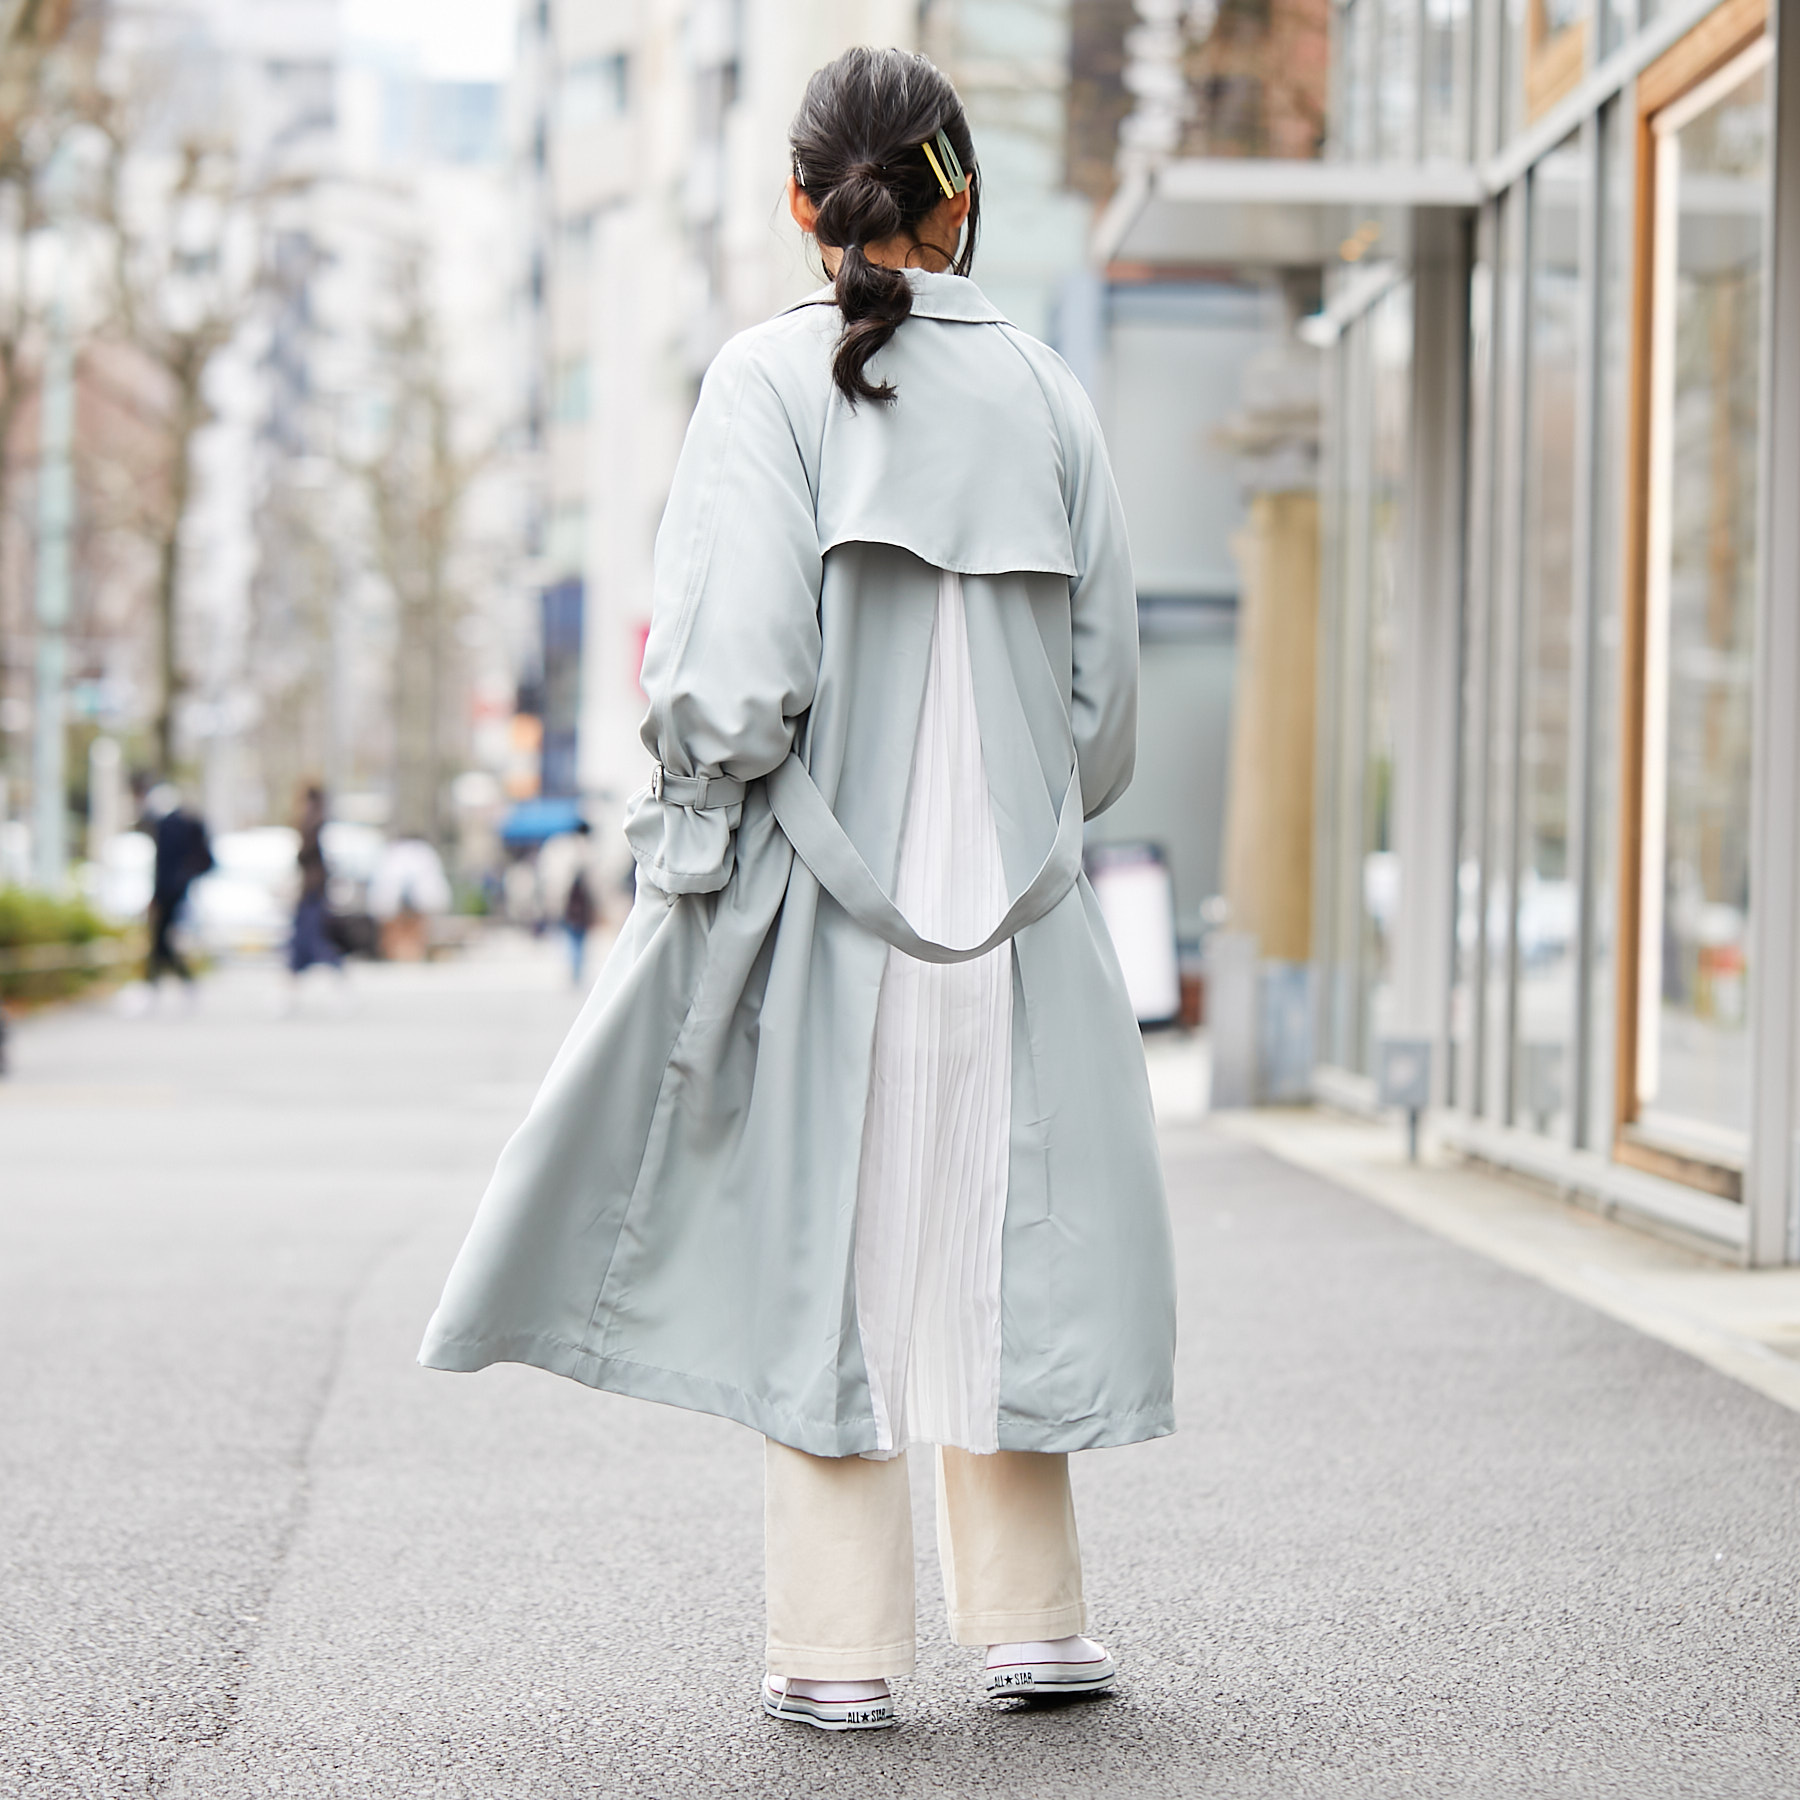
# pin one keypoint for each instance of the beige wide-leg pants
(840, 1557)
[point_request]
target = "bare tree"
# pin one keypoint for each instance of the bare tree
(416, 483)
(292, 596)
(33, 113)
(186, 229)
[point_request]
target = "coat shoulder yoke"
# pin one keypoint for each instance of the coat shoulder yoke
(971, 391)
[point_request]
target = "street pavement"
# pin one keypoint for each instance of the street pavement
(1429, 1528)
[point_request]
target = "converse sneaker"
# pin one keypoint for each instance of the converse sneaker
(829, 1705)
(1070, 1665)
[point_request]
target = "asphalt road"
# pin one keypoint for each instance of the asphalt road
(1428, 1529)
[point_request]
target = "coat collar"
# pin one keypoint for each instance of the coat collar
(934, 297)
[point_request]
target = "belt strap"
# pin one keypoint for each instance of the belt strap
(697, 791)
(820, 842)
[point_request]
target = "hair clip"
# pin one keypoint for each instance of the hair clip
(954, 182)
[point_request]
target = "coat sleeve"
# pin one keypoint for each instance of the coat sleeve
(733, 652)
(1103, 608)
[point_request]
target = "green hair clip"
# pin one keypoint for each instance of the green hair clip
(955, 180)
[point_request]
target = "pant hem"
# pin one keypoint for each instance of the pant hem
(1019, 1627)
(879, 1662)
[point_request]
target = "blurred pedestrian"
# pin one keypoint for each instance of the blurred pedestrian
(312, 942)
(578, 921)
(183, 855)
(802, 1163)
(407, 891)
(579, 913)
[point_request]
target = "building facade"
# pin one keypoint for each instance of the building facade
(1557, 797)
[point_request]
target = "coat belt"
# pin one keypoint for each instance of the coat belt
(701, 792)
(821, 843)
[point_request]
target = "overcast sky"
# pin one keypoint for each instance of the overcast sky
(457, 40)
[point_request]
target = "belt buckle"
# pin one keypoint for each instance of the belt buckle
(656, 781)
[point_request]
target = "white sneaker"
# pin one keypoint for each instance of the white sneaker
(829, 1705)
(1070, 1665)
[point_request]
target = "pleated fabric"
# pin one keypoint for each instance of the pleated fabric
(931, 1193)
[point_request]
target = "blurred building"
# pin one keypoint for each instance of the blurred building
(1555, 823)
(258, 87)
(296, 411)
(1208, 399)
(423, 367)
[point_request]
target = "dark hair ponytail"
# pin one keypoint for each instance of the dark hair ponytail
(856, 142)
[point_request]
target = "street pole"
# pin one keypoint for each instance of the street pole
(56, 420)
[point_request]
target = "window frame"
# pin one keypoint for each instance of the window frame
(1718, 40)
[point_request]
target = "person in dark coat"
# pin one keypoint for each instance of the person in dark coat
(312, 941)
(183, 855)
(579, 913)
(578, 921)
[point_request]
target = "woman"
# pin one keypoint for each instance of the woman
(311, 941)
(852, 1141)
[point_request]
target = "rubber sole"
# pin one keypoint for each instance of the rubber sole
(829, 1715)
(1049, 1681)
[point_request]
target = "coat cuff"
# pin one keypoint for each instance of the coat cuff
(682, 849)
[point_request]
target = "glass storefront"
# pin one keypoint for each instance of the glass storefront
(1499, 654)
(1462, 1083)
(1595, 1071)
(1365, 506)
(1710, 182)
(1446, 25)
(1596, 865)
(1544, 925)
(1402, 79)
(1390, 357)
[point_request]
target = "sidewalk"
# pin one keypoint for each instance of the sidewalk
(1743, 1322)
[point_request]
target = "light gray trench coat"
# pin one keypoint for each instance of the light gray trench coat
(675, 1218)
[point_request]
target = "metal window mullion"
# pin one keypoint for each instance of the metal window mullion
(1471, 92)
(1479, 630)
(1373, 32)
(1459, 524)
(1585, 617)
(1360, 562)
(1338, 49)
(1522, 583)
(1509, 613)
(1771, 1176)
(1420, 89)
(1326, 741)
(1374, 35)
(1489, 31)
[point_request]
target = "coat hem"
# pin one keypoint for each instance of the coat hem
(695, 1393)
(1095, 1431)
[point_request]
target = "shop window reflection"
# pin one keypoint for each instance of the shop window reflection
(1546, 923)
(1364, 522)
(1398, 81)
(1390, 343)
(1710, 184)
(1353, 124)
(1611, 462)
(1501, 729)
(1555, 51)
(1477, 666)
(1446, 67)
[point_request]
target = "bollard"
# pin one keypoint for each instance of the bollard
(1404, 1079)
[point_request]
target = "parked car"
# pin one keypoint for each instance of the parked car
(246, 904)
